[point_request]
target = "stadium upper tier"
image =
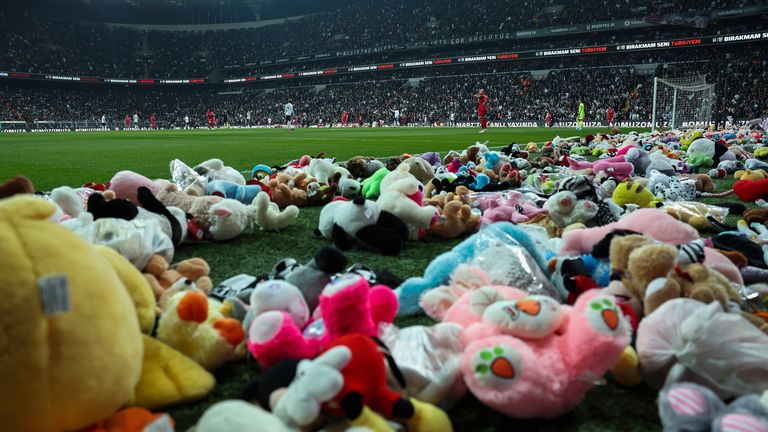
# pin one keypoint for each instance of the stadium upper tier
(33, 44)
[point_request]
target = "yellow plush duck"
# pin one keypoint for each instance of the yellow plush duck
(195, 325)
(73, 325)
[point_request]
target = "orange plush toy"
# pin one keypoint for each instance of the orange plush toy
(132, 419)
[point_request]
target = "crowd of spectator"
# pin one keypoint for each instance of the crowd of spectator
(515, 96)
(34, 44)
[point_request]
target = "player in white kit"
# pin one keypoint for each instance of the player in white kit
(288, 111)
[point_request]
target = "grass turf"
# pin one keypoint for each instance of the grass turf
(53, 159)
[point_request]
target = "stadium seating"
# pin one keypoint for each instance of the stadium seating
(33, 44)
(515, 95)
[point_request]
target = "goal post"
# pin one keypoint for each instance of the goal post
(680, 102)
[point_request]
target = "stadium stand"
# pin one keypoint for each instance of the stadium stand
(32, 44)
(517, 95)
(522, 90)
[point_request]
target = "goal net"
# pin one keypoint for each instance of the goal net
(682, 102)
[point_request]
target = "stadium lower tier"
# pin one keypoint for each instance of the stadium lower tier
(514, 96)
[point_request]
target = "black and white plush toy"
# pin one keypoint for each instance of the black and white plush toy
(346, 222)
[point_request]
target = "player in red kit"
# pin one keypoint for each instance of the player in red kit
(127, 121)
(548, 119)
(610, 116)
(482, 109)
(344, 118)
(152, 123)
(211, 119)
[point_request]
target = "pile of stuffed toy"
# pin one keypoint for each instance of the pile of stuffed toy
(581, 258)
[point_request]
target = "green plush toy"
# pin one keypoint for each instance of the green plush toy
(372, 185)
(597, 152)
(761, 152)
(700, 159)
(580, 150)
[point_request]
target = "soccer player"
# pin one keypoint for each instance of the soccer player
(482, 109)
(548, 119)
(211, 118)
(135, 120)
(396, 112)
(186, 121)
(580, 117)
(609, 115)
(103, 122)
(344, 118)
(453, 119)
(288, 111)
(248, 116)
(127, 121)
(152, 123)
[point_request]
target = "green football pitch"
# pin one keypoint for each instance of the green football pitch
(54, 159)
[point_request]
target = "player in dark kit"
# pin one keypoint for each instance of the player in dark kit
(482, 109)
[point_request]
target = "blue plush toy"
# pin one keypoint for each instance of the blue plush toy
(481, 180)
(261, 172)
(491, 159)
(244, 194)
(440, 269)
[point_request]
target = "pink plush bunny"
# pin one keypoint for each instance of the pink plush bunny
(578, 165)
(615, 168)
(347, 305)
(529, 356)
(515, 208)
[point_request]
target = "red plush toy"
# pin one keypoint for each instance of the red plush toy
(751, 190)
(366, 399)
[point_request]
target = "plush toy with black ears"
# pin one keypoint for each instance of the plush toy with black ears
(316, 274)
(346, 222)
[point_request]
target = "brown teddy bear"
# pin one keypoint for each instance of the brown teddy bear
(457, 218)
(650, 272)
(162, 276)
(440, 200)
(471, 155)
(362, 167)
(16, 185)
(286, 190)
(759, 215)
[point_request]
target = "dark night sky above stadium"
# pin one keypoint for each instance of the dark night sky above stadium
(177, 11)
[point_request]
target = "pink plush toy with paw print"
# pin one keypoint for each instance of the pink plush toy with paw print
(347, 305)
(528, 356)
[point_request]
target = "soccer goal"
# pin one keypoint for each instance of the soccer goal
(682, 102)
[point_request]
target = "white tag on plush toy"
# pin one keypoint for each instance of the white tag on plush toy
(54, 294)
(162, 424)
